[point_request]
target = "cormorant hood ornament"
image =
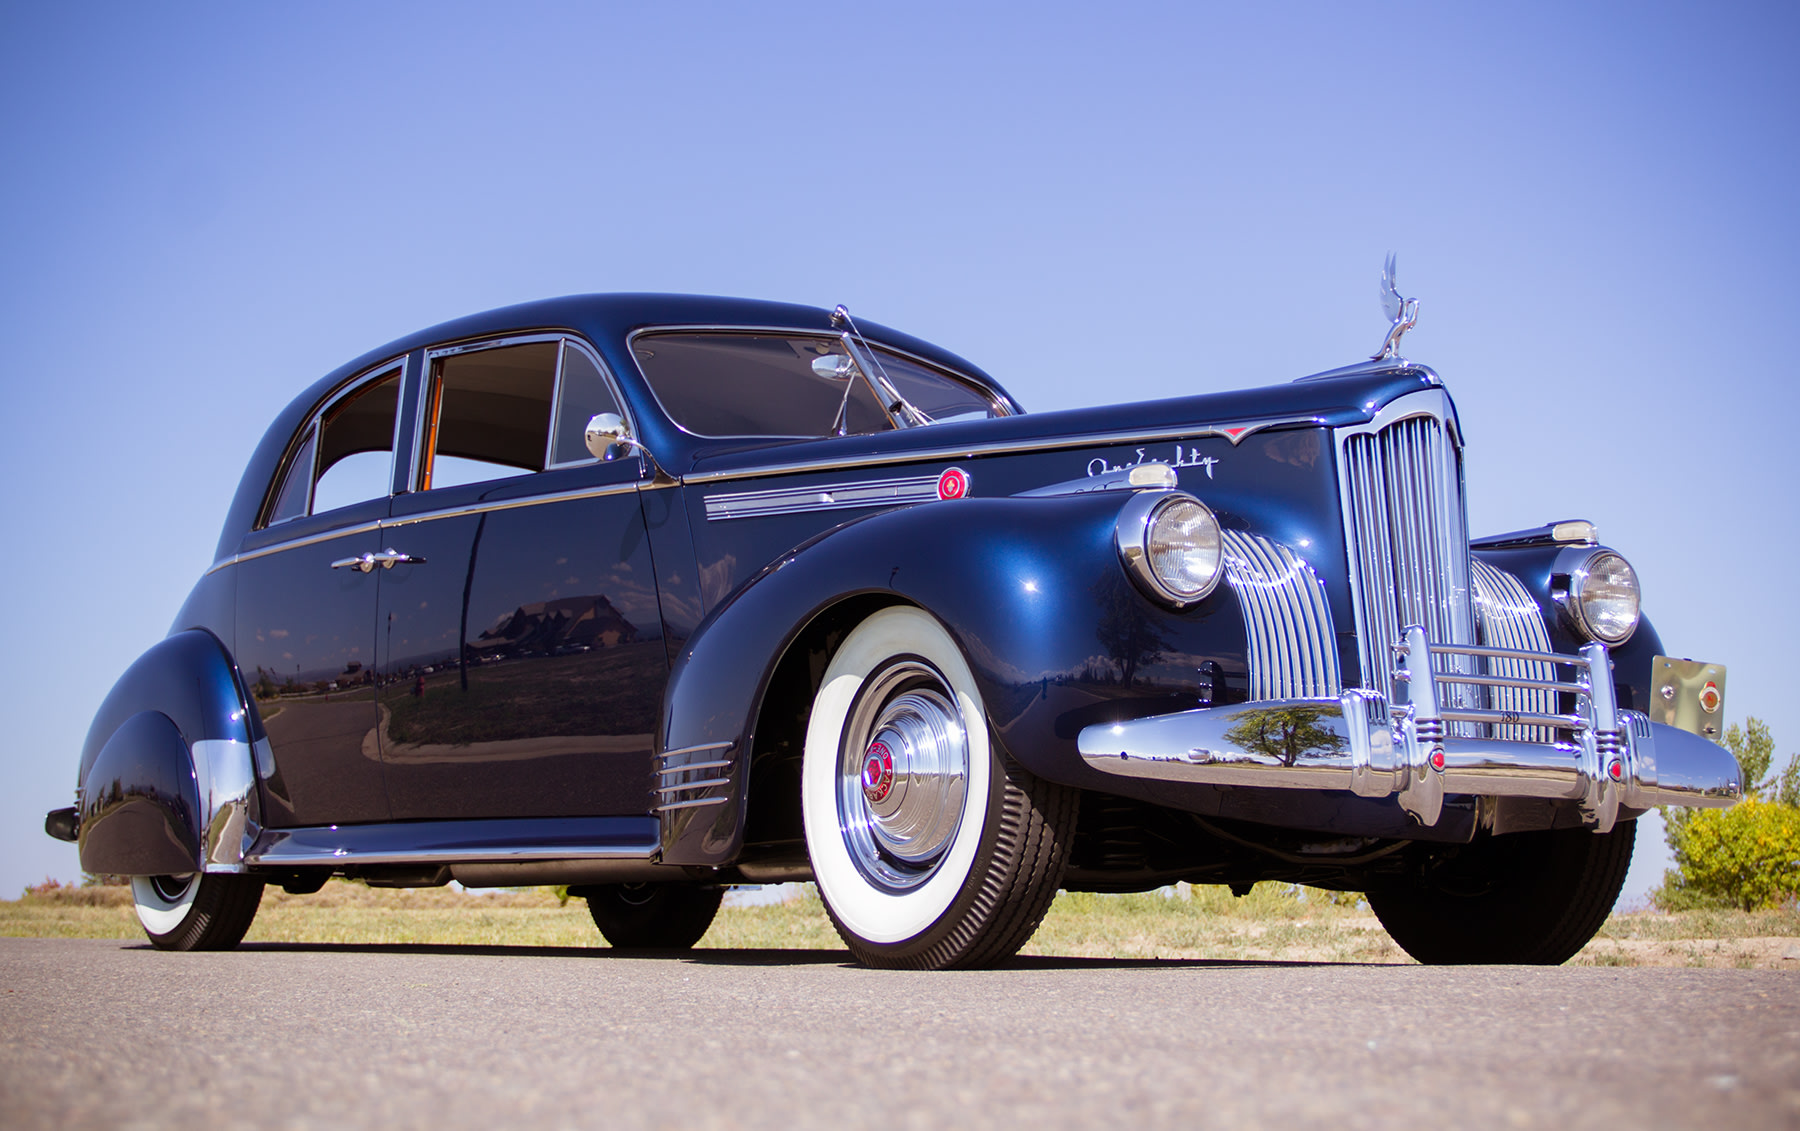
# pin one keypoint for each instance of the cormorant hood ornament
(1402, 313)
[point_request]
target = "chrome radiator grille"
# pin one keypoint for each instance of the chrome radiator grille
(1509, 618)
(1408, 540)
(1293, 651)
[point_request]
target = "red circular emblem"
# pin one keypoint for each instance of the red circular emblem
(1437, 759)
(1709, 695)
(878, 772)
(953, 484)
(1616, 771)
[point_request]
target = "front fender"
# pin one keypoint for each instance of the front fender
(1535, 567)
(168, 773)
(1032, 591)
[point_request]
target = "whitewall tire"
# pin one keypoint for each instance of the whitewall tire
(197, 911)
(929, 846)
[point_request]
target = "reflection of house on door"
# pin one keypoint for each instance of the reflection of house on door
(564, 625)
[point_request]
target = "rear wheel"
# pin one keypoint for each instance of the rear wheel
(198, 911)
(653, 916)
(1526, 898)
(931, 848)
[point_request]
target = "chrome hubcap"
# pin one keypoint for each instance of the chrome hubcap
(172, 888)
(902, 773)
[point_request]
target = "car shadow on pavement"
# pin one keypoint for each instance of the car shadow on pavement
(760, 957)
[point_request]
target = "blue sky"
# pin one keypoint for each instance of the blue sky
(203, 208)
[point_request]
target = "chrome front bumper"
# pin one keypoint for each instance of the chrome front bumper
(1420, 749)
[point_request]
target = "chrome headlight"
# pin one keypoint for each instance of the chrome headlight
(1603, 596)
(1172, 545)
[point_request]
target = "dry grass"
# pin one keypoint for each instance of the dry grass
(1270, 924)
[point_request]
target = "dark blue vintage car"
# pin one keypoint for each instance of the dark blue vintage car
(651, 595)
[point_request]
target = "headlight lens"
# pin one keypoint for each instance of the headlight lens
(1172, 545)
(1603, 593)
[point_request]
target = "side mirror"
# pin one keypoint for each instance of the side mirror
(834, 367)
(605, 433)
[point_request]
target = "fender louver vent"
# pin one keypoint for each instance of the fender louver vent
(1293, 651)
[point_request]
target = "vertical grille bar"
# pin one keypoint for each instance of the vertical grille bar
(1410, 547)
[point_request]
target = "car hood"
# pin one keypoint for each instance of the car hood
(1327, 401)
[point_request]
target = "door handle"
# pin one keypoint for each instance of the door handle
(386, 559)
(390, 557)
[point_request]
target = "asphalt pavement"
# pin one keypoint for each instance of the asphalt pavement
(109, 1034)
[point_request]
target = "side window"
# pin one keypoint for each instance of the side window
(937, 395)
(491, 411)
(584, 394)
(490, 414)
(346, 456)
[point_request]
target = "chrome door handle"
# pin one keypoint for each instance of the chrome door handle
(386, 559)
(390, 557)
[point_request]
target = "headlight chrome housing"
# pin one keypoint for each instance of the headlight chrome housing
(1172, 546)
(1602, 597)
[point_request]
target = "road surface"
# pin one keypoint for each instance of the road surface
(109, 1034)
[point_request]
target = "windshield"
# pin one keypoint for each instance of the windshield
(719, 383)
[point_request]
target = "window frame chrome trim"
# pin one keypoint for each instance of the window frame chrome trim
(1008, 406)
(351, 385)
(566, 337)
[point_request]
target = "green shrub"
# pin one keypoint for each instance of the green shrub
(1747, 856)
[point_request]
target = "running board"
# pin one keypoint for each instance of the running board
(498, 841)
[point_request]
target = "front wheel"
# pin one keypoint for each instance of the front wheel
(932, 849)
(653, 916)
(1530, 899)
(198, 911)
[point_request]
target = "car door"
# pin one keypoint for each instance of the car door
(519, 638)
(306, 605)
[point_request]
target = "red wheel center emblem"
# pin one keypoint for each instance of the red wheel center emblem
(878, 772)
(953, 484)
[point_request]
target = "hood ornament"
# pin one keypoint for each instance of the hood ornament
(1402, 314)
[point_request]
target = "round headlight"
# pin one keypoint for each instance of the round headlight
(1172, 544)
(1603, 595)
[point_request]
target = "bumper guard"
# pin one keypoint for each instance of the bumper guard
(1603, 759)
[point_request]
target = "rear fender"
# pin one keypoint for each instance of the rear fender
(168, 774)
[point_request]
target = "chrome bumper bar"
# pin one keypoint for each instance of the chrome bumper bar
(1418, 749)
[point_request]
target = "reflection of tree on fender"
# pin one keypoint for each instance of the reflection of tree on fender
(1286, 734)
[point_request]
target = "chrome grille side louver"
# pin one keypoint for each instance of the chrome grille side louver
(1402, 484)
(1293, 650)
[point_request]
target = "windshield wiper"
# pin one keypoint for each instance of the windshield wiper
(909, 415)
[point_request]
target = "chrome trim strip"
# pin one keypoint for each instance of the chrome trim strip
(324, 846)
(1287, 620)
(687, 785)
(511, 504)
(971, 451)
(391, 523)
(686, 766)
(294, 544)
(694, 804)
(726, 745)
(822, 497)
(1508, 620)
